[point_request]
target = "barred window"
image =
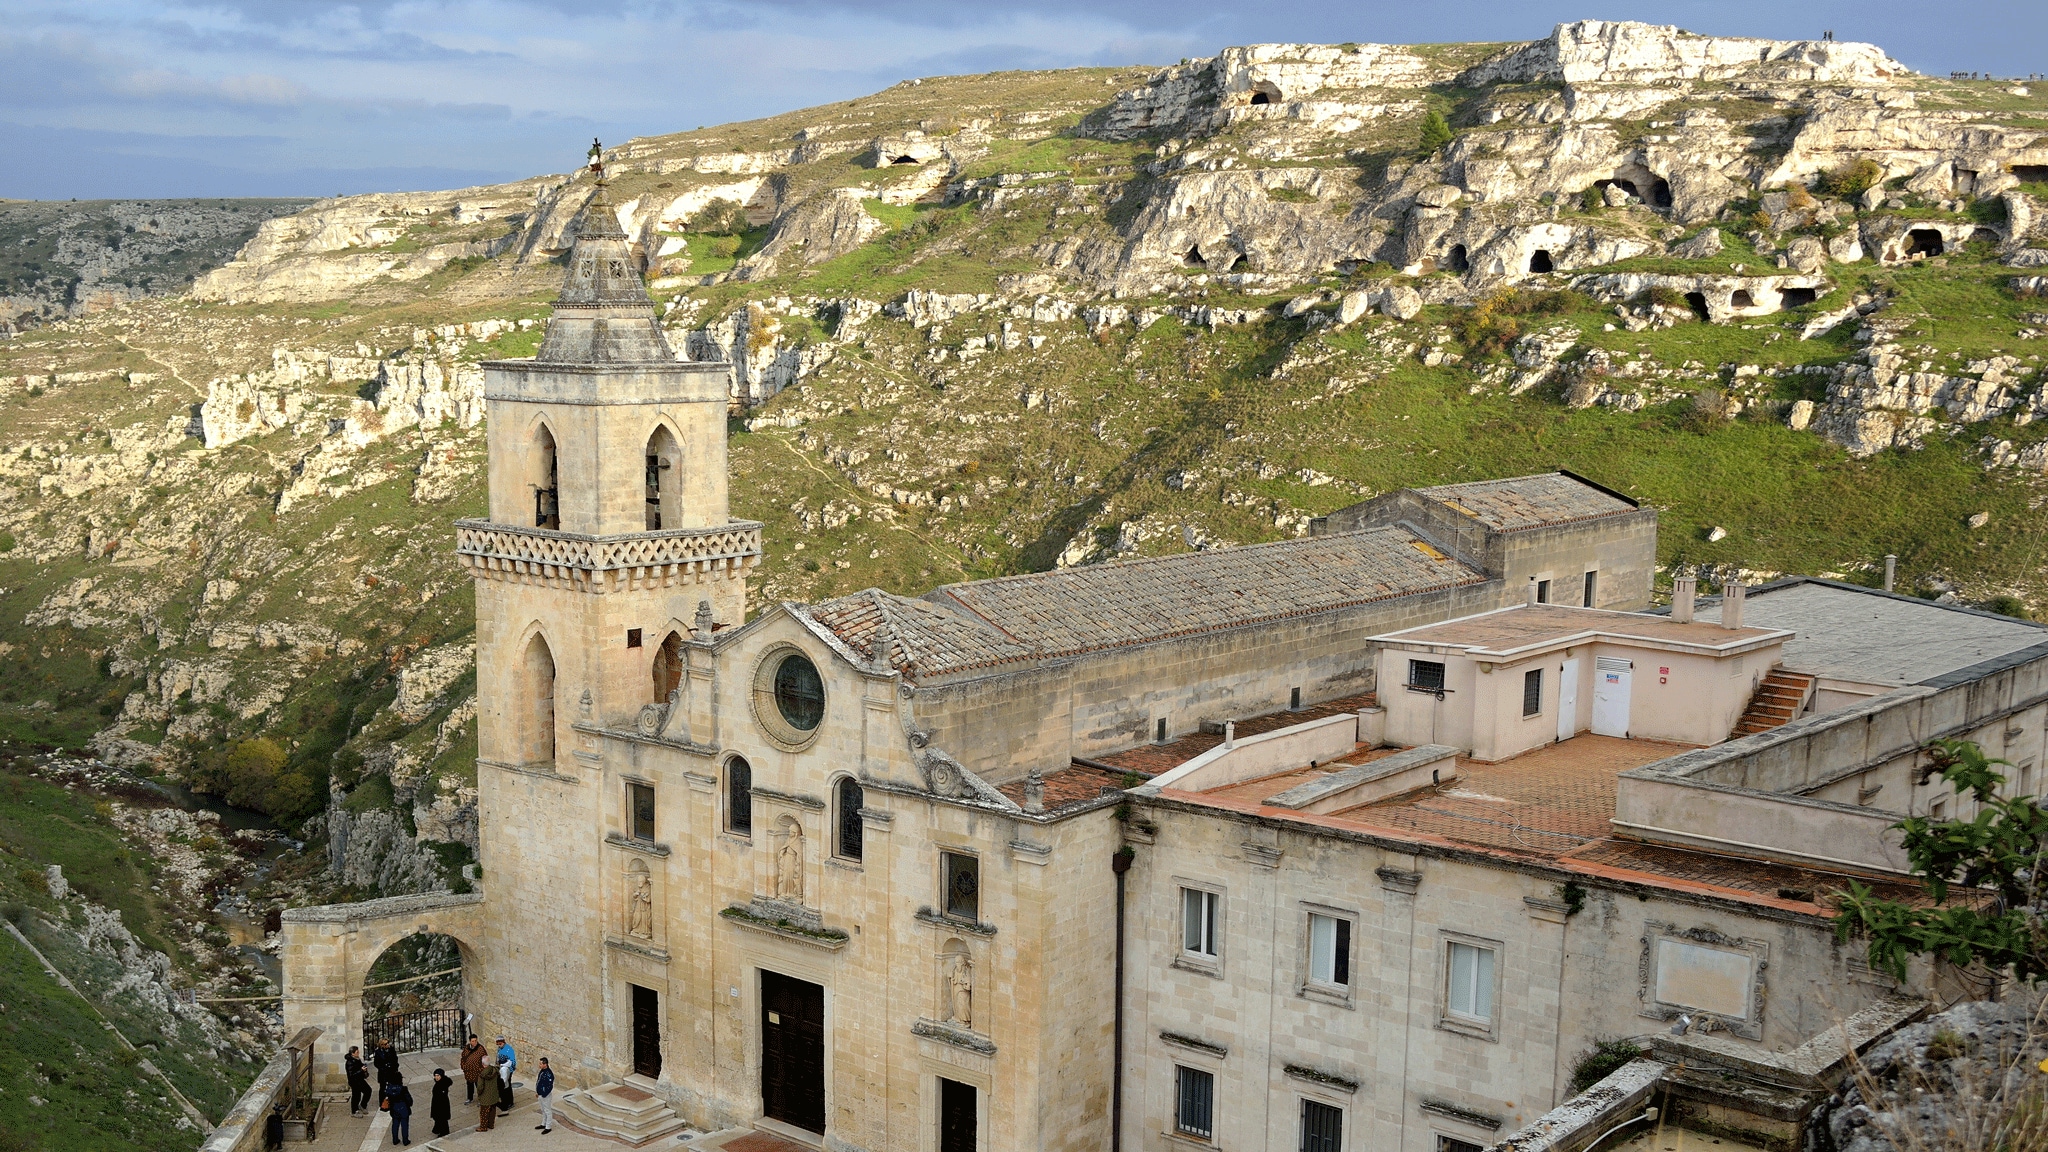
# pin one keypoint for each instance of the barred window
(1194, 1111)
(1532, 692)
(849, 798)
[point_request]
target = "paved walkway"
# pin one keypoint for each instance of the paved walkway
(371, 1131)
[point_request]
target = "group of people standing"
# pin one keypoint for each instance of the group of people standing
(486, 1074)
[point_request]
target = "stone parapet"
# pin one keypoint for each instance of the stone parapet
(493, 551)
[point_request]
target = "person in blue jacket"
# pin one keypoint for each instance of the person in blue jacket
(398, 1098)
(507, 1061)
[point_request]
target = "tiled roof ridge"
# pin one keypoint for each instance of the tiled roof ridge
(1155, 561)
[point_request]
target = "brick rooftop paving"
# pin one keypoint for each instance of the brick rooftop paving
(1152, 759)
(1075, 784)
(1526, 624)
(1544, 802)
(1771, 878)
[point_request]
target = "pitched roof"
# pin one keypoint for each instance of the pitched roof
(1530, 501)
(1049, 614)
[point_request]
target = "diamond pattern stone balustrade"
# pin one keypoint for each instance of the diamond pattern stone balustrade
(570, 559)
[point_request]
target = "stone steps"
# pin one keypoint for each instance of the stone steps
(1777, 701)
(623, 1112)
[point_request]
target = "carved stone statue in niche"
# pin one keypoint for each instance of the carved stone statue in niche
(957, 969)
(640, 903)
(789, 864)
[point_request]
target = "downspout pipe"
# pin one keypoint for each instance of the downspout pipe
(1119, 864)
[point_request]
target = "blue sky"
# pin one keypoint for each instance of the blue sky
(103, 98)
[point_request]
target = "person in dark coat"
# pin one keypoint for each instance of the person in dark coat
(487, 1097)
(399, 1099)
(472, 1067)
(359, 1094)
(273, 1128)
(385, 1057)
(438, 1108)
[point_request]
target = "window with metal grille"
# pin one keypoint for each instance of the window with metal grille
(739, 796)
(1322, 1127)
(1199, 913)
(1471, 983)
(1426, 675)
(640, 810)
(1194, 1109)
(1592, 585)
(963, 885)
(849, 818)
(1532, 692)
(1329, 950)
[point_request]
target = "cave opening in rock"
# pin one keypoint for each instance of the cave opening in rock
(1539, 261)
(1265, 93)
(1924, 242)
(1800, 297)
(2031, 173)
(1742, 299)
(1261, 98)
(1697, 301)
(1660, 193)
(1986, 235)
(1457, 259)
(904, 160)
(1194, 258)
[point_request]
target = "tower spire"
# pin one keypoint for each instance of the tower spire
(604, 315)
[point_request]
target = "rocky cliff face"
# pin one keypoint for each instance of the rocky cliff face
(984, 324)
(72, 258)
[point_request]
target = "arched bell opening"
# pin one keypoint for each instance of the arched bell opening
(542, 478)
(664, 458)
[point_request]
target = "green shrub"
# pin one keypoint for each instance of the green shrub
(1708, 411)
(1853, 178)
(1592, 199)
(1600, 1061)
(721, 217)
(1436, 132)
(1665, 296)
(2009, 606)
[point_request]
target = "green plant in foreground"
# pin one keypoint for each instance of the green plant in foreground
(1600, 1061)
(1997, 853)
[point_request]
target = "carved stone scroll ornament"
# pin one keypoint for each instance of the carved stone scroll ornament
(651, 719)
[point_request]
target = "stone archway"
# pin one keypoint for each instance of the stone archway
(328, 951)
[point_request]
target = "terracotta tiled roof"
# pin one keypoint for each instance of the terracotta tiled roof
(1529, 501)
(1050, 614)
(1135, 601)
(1075, 784)
(1152, 759)
(1762, 877)
(928, 639)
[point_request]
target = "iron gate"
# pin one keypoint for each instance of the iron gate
(417, 1031)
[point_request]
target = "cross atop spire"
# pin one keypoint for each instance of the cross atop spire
(597, 159)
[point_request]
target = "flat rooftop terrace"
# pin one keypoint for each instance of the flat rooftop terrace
(1554, 805)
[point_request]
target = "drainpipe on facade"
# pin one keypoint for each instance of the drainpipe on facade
(1119, 864)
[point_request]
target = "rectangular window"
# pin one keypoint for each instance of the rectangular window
(632, 637)
(1453, 1144)
(1543, 591)
(1426, 675)
(1199, 913)
(1471, 990)
(1322, 1127)
(1532, 692)
(1162, 730)
(1592, 584)
(640, 811)
(1329, 950)
(1194, 1107)
(963, 885)
(1294, 700)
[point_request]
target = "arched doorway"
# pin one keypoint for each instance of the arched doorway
(412, 995)
(668, 666)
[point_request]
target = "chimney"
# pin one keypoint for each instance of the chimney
(1682, 591)
(1732, 595)
(1891, 571)
(1530, 597)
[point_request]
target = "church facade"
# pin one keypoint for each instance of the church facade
(857, 872)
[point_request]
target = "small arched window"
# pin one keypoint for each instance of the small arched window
(547, 505)
(739, 796)
(537, 686)
(662, 455)
(849, 798)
